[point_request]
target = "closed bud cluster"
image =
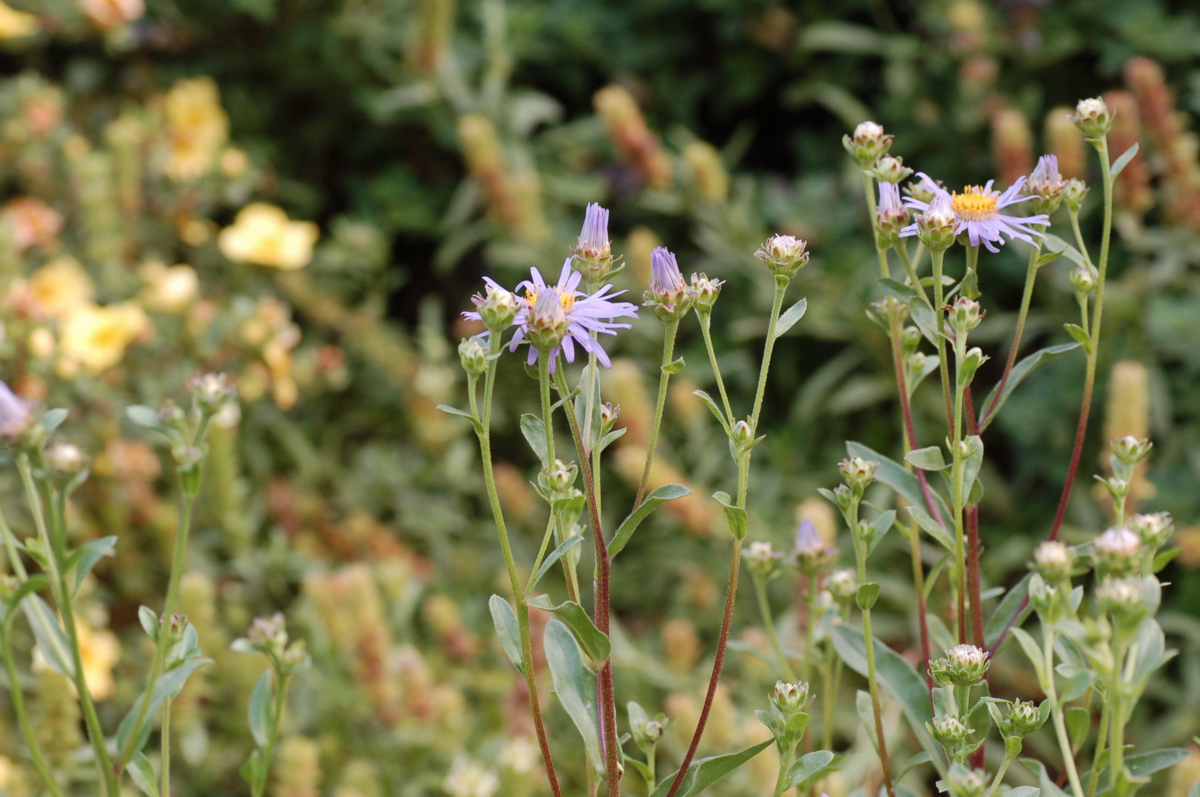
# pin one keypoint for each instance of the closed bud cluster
(65, 460)
(268, 633)
(937, 227)
(1093, 118)
(1117, 552)
(910, 340)
(963, 665)
(785, 255)
(1044, 599)
(1045, 185)
(858, 473)
(789, 698)
(1054, 561)
(965, 315)
(559, 478)
(950, 733)
(967, 782)
(842, 585)
(762, 560)
(592, 255)
(1153, 529)
(646, 732)
(891, 170)
(212, 392)
(1074, 192)
(473, 356)
(1129, 450)
(1023, 718)
(867, 144)
(669, 296)
(1084, 279)
(891, 215)
(546, 321)
(497, 309)
(811, 553)
(707, 290)
(1123, 598)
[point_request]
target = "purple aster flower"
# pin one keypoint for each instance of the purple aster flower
(669, 296)
(977, 210)
(14, 412)
(593, 252)
(583, 314)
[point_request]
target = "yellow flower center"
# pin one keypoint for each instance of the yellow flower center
(565, 299)
(974, 203)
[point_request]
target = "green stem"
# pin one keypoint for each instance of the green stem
(544, 384)
(664, 377)
(1101, 746)
(806, 662)
(273, 736)
(1056, 713)
(706, 331)
(1008, 759)
(165, 791)
(764, 608)
(911, 268)
(1026, 298)
(1116, 716)
(957, 477)
(18, 698)
(939, 311)
(781, 284)
(785, 763)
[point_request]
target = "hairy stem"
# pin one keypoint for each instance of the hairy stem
(764, 608)
(1056, 712)
(664, 378)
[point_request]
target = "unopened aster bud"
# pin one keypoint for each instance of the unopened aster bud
(891, 216)
(842, 585)
(785, 255)
(910, 339)
(812, 555)
(789, 698)
(915, 364)
(1153, 529)
(669, 296)
(891, 170)
(65, 459)
(963, 665)
(546, 321)
(212, 392)
(1124, 598)
(497, 309)
(949, 732)
(1084, 279)
(867, 144)
(923, 190)
(646, 733)
(965, 314)
(858, 473)
(592, 255)
(1024, 718)
(473, 354)
(1045, 185)
(1054, 561)
(268, 633)
(761, 559)
(937, 227)
(560, 476)
(707, 290)
(742, 434)
(967, 782)
(1129, 450)
(843, 497)
(609, 413)
(1044, 599)
(1074, 192)
(1117, 552)
(1093, 118)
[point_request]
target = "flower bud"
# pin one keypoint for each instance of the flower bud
(707, 290)
(609, 413)
(1045, 185)
(761, 559)
(646, 733)
(295, 658)
(1074, 192)
(965, 315)
(785, 255)
(1084, 279)
(1152, 529)
(1023, 718)
(16, 414)
(592, 255)
(949, 732)
(669, 296)
(967, 782)
(545, 321)
(811, 553)
(742, 435)
(842, 585)
(1093, 118)
(963, 665)
(268, 633)
(1117, 552)
(1129, 451)
(937, 227)
(473, 355)
(1123, 598)
(891, 170)
(497, 309)
(910, 340)
(65, 460)
(1054, 561)
(858, 473)
(891, 215)
(867, 144)
(1044, 599)
(923, 191)
(212, 392)
(559, 476)
(789, 698)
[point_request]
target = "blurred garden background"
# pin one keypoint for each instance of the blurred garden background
(305, 194)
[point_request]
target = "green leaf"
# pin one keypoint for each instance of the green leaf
(1034, 653)
(575, 685)
(1164, 558)
(1079, 724)
(1052, 243)
(446, 408)
(897, 290)
(932, 527)
(1046, 258)
(149, 621)
(49, 635)
(789, 318)
(166, 688)
(1081, 337)
(143, 416)
(917, 760)
(1142, 765)
(707, 401)
(899, 680)
(507, 628)
(1023, 791)
(707, 771)
(867, 595)
(260, 709)
(735, 516)
(142, 775)
(1013, 609)
(926, 458)
(548, 562)
(1120, 163)
(879, 529)
(896, 476)
(253, 771)
(535, 434)
(673, 367)
(594, 643)
(974, 460)
(807, 769)
(52, 419)
(589, 377)
(660, 495)
(85, 558)
(1017, 376)
(925, 320)
(33, 584)
(1045, 782)
(866, 717)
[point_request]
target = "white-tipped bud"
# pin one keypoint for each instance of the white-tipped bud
(785, 255)
(1093, 118)
(1117, 552)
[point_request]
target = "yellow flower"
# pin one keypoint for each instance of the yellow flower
(96, 337)
(112, 13)
(100, 652)
(16, 24)
(261, 234)
(168, 290)
(61, 286)
(197, 125)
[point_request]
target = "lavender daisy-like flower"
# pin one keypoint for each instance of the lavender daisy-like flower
(669, 296)
(583, 315)
(977, 210)
(593, 251)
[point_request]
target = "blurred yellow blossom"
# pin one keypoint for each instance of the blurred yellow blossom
(61, 286)
(263, 235)
(112, 13)
(197, 125)
(234, 163)
(100, 652)
(96, 337)
(168, 290)
(16, 24)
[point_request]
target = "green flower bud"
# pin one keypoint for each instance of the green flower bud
(65, 460)
(842, 585)
(1074, 192)
(867, 144)
(212, 392)
(1084, 279)
(1129, 451)
(497, 309)
(891, 170)
(1023, 718)
(785, 255)
(967, 782)
(1122, 598)
(789, 698)
(965, 315)
(1153, 529)
(949, 732)
(762, 560)
(962, 665)
(473, 355)
(1093, 118)
(1054, 561)
(707, 290)
(858, 473)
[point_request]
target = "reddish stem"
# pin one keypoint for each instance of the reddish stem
(974, 581)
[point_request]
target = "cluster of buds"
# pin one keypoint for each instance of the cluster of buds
(891, 216)
(858, 474)
(867, 144)
(964, 315)
(1045, 185)
(787, 718)
(557, 480)
(788, 698)
(669, 297)
(268, 635)
(592, 256)
(891, 170)
(1117, 552)
(473, 354)
(1093, 118)
(762, 560)
(647, 732)
(1074, 192)
(1084, 279)
(1022, 719)
(785, 255)
(937, 227)
(1048, 600)
(706, 291)
(212, 392)
(497, 308)
(963, 665)
(810, 553)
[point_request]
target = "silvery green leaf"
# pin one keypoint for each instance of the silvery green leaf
(660, 495)
(707, 771)
(507, 628)
(593, 641)
(575, 686)
(790, 317)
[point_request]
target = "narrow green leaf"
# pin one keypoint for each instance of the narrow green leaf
(1052, 243)
(660, 495)
(85, 558)
(575, 686)
(927, 458)
(880, 526)
(446, 408)
(1047, 258)
(1079, 724)
(49, 635)
(548, 562)
(535, 434)
(167, 687)
(1032, 652)
(507, 628)
(142, 775)
(897, 290)
(707, 401)
(974, 461)
(1013, 609)
(1142, 765)
(260, 709)
(594, 643)
(807, 769)
(1045, 782)
(1120, 163)
(52, 419)
(253, 771)
(1164, 558)
(1017, 376)
(1023, 791)
(790, 317)
(932, 527)
(707, 771)
(143, 416)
